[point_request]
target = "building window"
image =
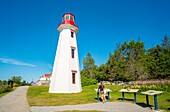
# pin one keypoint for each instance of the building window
(72, 34)
(72, 52)
(73, 78)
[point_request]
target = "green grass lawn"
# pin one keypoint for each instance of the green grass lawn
(39, 96)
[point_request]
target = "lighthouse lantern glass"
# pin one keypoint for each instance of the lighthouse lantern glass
(68, 17)
(71, 18)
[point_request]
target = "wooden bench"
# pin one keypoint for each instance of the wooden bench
(107, 91)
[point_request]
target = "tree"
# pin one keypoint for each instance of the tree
(101, 73)
(88, 62)
(166, 42)
(112, 68)
(130, 61)
(159, 62)
(153, 61)
(24, 83)
(89, 66)
(16, 79)
(135, 61)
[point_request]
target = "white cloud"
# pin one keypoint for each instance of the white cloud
(15, 62)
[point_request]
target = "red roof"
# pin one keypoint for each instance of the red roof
(47, 75)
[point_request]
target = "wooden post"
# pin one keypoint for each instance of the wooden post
(123, 96)
(156, 102)
(135, 97)
(108, 95)
(98, 95)
(147, 100)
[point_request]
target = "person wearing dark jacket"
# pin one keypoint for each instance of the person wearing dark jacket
(101, 89)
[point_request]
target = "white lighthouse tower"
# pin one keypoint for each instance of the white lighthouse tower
(66, 72)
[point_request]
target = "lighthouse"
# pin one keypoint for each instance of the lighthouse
(66, 71)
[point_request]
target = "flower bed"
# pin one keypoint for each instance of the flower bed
(161, 85)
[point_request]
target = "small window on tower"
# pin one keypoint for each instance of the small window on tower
(71, 18)
(73, 78)
(72, 52)
(67, 17)
(72, 34)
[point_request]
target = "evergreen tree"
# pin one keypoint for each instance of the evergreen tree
(135, 61)
(112, 68)
(89, 66)
(159, 62)
(102, 73)
(166, 42)
(130, 61)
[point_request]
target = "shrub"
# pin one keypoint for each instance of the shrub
(5, 88)
(16, 85)
(88, 81)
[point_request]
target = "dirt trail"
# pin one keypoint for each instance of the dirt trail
(15, 101)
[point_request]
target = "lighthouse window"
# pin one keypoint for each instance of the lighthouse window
(72, 34)
(67, 17)
(73, 78)
(72, 52)
(71, 18)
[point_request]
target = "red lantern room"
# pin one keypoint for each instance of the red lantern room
(68, 18)
(68, 22)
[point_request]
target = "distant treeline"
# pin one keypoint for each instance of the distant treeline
(17, 81)
(131, 61)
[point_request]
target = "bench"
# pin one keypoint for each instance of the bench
(107, 91)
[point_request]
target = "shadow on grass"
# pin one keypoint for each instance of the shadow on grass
(168, 100)
(144, 105)
(101, 99)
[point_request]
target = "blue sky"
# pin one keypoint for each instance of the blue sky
(28, 35)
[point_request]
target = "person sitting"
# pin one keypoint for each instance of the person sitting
(102, 91)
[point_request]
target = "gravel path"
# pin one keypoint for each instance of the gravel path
(15, 101)
(106, 107)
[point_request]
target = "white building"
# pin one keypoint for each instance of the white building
(44, 80)
(66, 72)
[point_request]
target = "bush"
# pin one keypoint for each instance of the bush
(88, 81)
(5, 88)
(16, 85)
